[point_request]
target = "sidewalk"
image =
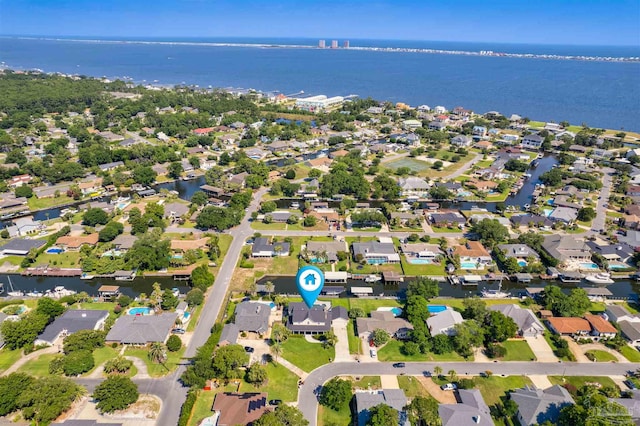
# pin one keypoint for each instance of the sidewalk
(295, 370)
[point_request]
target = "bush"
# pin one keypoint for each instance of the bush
(466, 384)
(495, 351)
(78, 362)
(56, 365)
(117, 365)
(83, 340)
(410, 348)
(194, 297)
(124, 300)
(187, 407)
(379, 337)
(174, 343)
(336, 393)
(115, 393)
(356, 313)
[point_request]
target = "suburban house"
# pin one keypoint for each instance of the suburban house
(124, 242)
(375, 252)
(437, 125)
(569, 326)
(443, 322)
(532, 141)
(239, 408)
(564, 214)
(413, 187)
(528, 324)
(110, 166)
(461, 140)
(536, 406)
(229, 335)
(443, 219)
(620, 252)
(71, 321)
(471, 410)
(279, 216)
(600, 327)
(421, 251)
(618, 313)
(566, 247)
(518, 251)
(75, 243)
(20, 246)
(530, 220)
(19, 180)
(252, 317)
(395, 398)
(631, 331)
(473, 251)
(142, 329)
(411, 124)
(385, 320)
(315, 320)
(24, 226)
(330, 249)
(174, 211)
(263, 247)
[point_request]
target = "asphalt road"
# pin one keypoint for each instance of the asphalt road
(308, 402)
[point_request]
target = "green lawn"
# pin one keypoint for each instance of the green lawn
(368, 305)
(580, 381)
(391, 352)
(8, 358)
(354, 341)
(282, 384)
(45, 203)
(597, 307)
(409, 269)
(600, 356)
(194, 317)
(39, 366)
(97, 306)
(204, 402)
(411, 163)
(457, 303)
(307, 356)
(492, 388)
(156, 370)
(268, 226)
(547, 337)
(518, 350)
(103, 354)
(412, 387)
(631, 307)
(440, 229)
(329, 417)
(68, 259)
(630, 353)
(368, 382)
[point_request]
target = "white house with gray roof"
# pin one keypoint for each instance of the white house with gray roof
(527, 322)
(71, 321)
(536, 406)
(142, 329)
(518, 251)
(566, 247)
(395, 398)
(470, 411)
(444, 322)
(375, 252)
(413, 187)
(253, 317)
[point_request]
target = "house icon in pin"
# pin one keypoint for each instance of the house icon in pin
(310, 280)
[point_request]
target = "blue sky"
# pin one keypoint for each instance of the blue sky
(601, 22)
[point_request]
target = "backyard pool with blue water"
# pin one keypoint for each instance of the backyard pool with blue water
(434, 309)
(522, 263)
(140, 311)
(468, 265)
(55, 250)
(589, 265)
(420, 261)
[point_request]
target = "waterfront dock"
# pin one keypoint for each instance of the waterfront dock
(52, 272)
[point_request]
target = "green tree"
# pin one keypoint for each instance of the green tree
(468, 335)
(157, 353)
(379, 337)
(440, 192)
(256, 374)
(423, 286)
(424, 411)
(19, 334)
(474, 308)
(169, 300)
(144, 175)
(110, 231)
(441, 344)
(95, 216)
(290, 174)
(83, 340)
(115, 393)
(228, 360)
(175, 169)
(336, 393)
(382, 415)
(201, 278)
(219, 218)
(149, 252)
(309, 221)
(11, 387)
(24, 191)
(118, 365)
(586, 214)
(276, 351)
(199, 198)
(279, 333)
(78, 362)
(174, 343)
(490, 231)
(50, 308)
(283, 415)
(48, 397)
(499, 327)
(416, 310)
(194, 297)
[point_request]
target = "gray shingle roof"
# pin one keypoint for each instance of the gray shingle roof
(72, 321)
(471, 411)
(251, 316)
(394, 398)
(537, 406)
(631, 330)
(22, 245)
(314, 320)
(229, 334)
(517, 250)
(525, 319)
(142, 329)
(373, 247)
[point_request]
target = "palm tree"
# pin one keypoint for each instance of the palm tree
(330, 339)
(437, 370)
(452, 375)
(156, 295)
(276, 351)
(269, 287)
(157, 353)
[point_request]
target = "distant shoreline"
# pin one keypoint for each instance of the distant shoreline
(482, 53)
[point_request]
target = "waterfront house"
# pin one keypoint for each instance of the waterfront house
(238, 179)
(447, 218)
(20, 246)
(330, 249)
(24, 226)
(397, 327)
(123, 243)
(413, 187)
(473, 252)
(174, 211)
(518, 251)
(405, 218)
(461, 141)
(537, 406)
(569, 326)
(252, 317)
(71, 321)
(365, 400)
(631, 331)
(264, 247)
(620, 252)
(530, 220)
(528, 324)
(375, 252)
(142, 329)
(315, 320)
(421, 251)
(600, 327)
(532, 142)
(70, 243)
(233, 409)
(161, 169)
(566, 248)
(50, 191)
(618, 313)
(564, 214)
(444, 322)
(471, 410)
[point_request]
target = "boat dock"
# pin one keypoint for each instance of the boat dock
(52, 272)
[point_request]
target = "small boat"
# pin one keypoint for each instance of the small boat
(34, 293)
(599, 278)
(295, 205)
(86, 276)
(16, 293)
(175, 291)
(526, 175)
(495, 293)
(372, 278)
(527, 206)
(540, 155)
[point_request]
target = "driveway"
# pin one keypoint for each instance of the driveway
(389, 381)
(541, 349)
(576, 350)
(601, 347)
(443, 397)
(342, 346)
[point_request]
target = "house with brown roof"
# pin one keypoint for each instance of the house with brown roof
(473, 251)
(74, 243)
(569, 326)
(482, 185)
(339, 153)
(321, 163)
(600, 327)
(239, 408)
(385, 320)
(184, 245)
(326, 215)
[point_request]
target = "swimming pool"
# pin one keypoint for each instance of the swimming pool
(376, 261)
(140, 311)
(186, 315)
(547, 212)
(617, 266)
(420, 261)
(468, 265)
(522, 263)
(588, 265)
(434, 309)
(55, 250)
(176, 256)
(396, 311)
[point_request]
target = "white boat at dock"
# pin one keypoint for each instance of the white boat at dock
(372, 278)
(600, 278)
(489, 293)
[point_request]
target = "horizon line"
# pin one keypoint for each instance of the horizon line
(339, 38)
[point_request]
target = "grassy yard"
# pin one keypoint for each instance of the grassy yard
(68, 259)
(492, 388)
(367, 382)
(630, 353)
(204, 402)
(457, 303)
(368, 305)
(373, 269)
(268, 226)
(282, 384)
(45, 203)
(39, 366)
(8, 358)
(580, 381)
(103, 354)
(631, 307)
(435, 269)
(440, 229)
(412, 387)
(194, 317)
(156, 370)
(600, 356)
(307, 356)
(391, 352)
(328, 416)
(354, 341)
(547, 337)
(518, 350)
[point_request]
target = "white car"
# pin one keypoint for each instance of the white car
(449, 387)
(373, 353)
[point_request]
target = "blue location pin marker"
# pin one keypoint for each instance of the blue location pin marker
(310, 281)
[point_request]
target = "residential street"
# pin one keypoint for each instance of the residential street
(601, 211)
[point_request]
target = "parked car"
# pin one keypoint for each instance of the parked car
(630, 384)
(178, 331)
(449, 387)
(373, 353)
(275, 402)
(248, 349)
(399, 365)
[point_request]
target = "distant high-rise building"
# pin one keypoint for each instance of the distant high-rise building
(345, 44)
(334, 44)
(321, 44)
